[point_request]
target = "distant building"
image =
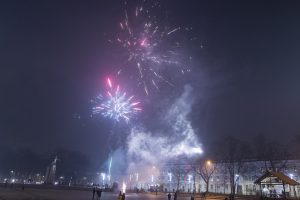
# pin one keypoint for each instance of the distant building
(184, 178)
(50, 172)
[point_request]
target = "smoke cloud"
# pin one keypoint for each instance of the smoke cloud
(179, 139)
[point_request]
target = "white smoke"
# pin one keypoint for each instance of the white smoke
(180, 139)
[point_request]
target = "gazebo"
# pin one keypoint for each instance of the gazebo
(270, 182)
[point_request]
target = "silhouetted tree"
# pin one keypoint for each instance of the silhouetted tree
(233, 154)
(271, 152)
(178, 171)
(206, 170)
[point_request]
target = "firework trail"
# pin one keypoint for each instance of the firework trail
(149, 45)
(115, 104)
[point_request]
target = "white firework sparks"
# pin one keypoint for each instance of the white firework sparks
(115, 104)
(149, 46)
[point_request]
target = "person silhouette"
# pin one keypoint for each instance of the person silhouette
(169, 196)
(120, 196)
(123, 196)
(94, 191)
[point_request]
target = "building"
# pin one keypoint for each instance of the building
(184, 177)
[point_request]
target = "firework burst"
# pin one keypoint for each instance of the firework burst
(115, 104)
(149, 45)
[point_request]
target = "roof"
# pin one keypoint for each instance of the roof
(285, 179)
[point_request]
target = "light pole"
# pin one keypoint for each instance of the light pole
(12, 177)
(103, 178)
(137, 179)
(237, 177)
(208, 162)
(124, 187)
(189, 182)
(152, 178)
(170, 180)
(208, 173)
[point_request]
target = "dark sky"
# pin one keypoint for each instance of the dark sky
(53, 55)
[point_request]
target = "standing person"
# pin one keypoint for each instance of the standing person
(23, 186)
(192, 197)
(169, 196)
(94, 191)
(98, 193)
(123, 196)
(175, 195)
(120, 196)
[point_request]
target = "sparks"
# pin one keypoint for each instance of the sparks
(149, 45)
(115, 104)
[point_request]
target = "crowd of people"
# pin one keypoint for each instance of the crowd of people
(97, 192)
(121, 196)
(175, 196)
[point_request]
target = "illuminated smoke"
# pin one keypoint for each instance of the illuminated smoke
(180, 140)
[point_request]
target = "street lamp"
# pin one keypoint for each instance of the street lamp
(137, 179)
(189, 179)
(170, 179)
(237, 178)
(103, 178)
(124, 187)
(208, 162)
(12, 177)
(152, 178)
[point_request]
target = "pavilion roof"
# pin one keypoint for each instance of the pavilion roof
(284, 178)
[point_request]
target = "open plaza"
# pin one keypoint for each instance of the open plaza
(82, 194)
(149, 100)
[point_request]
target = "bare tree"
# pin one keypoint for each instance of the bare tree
(233, 155)
(271, 152)
(206, 170)
(222, 169)
(178, 171)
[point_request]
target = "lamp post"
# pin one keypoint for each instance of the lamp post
(208, 162)
(170, 180)
(124, 187)
(208, 172)
(137, 179)
(12, 177)
(103, 178)
(237, 178)
(189, 179)
(152, 178)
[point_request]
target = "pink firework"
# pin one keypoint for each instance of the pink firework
(115, 104)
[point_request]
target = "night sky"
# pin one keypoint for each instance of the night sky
(55, 54)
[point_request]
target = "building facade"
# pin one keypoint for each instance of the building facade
(185, 178)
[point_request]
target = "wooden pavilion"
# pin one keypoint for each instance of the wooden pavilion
(269, 180)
